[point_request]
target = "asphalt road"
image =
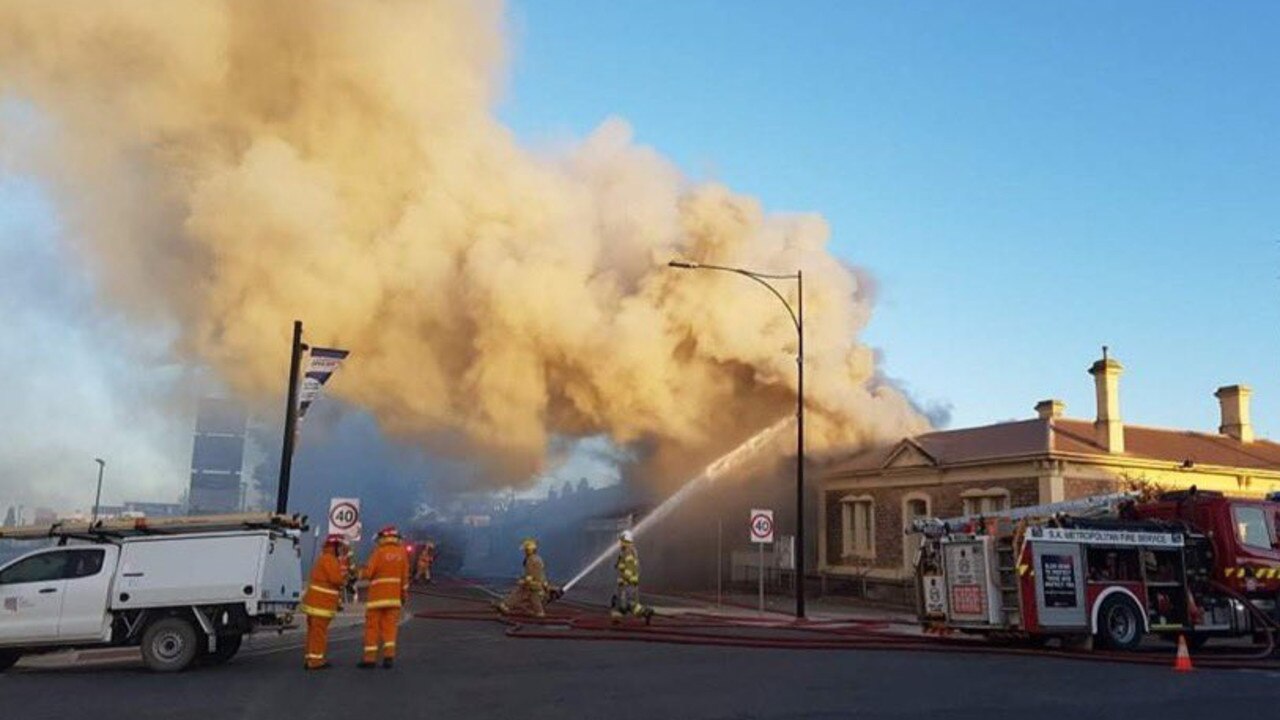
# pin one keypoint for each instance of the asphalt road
(464, 669)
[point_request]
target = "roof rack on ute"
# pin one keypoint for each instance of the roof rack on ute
(133, 527)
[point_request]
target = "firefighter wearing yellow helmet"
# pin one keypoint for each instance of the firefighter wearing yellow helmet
(627, 599)
(530, 593)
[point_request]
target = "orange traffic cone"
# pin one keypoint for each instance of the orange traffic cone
(1183, 662)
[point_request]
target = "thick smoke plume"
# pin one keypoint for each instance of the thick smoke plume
(227, 166)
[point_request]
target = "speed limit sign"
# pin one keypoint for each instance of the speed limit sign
(344, 517)
(761, 526)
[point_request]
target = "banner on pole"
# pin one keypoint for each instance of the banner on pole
(322, 363)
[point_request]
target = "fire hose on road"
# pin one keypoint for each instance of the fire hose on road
(571, 620)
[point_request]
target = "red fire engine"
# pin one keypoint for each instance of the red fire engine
(1193, 563)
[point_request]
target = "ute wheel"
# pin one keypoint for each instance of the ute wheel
(169, 645)
(8, 659)
(1119, 623)
(228, 646)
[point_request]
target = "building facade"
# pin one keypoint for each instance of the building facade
(867, 500)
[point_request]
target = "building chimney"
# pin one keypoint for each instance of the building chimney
(1050, 409)
(1108, 429)
(1234, 400)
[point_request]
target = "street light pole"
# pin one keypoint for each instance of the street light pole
(97, 498)
(799, 543)
(290, 421)
(797, 318)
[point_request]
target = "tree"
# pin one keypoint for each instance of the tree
(1144, 489)
(862, 567)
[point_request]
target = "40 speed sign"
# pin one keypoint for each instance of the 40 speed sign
(344, 518)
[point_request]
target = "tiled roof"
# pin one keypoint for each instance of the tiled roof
(1076, 436)
(1062, 435)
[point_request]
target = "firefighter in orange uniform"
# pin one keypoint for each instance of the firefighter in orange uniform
(388, 574)
(320, 602)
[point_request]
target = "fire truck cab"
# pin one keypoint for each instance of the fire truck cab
(1198, 564)
(1245, 535)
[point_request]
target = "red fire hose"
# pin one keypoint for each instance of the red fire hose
(570, 620)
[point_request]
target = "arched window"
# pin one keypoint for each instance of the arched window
(914, 505)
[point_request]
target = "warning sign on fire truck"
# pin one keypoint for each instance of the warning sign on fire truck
(968, 580)
(935, 596)
(1058, 573)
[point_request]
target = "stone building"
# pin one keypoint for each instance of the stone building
(866, 500)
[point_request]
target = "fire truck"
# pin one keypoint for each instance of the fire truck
(1110, 568)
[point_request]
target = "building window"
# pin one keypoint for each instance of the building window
(858, 526)
(985, 502)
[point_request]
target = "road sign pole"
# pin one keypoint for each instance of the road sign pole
(719, 560)
(761, 532)
(761, 546)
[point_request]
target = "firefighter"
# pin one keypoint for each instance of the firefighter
(321, 602)
(627, 599)
(531, 590)
(426, 557)
(388, 574)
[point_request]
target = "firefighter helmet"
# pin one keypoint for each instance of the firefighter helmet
(627, 537)
(529, 545)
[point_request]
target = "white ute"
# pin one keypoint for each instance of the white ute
(183, 589)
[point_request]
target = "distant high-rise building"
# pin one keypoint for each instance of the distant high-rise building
(11, 517)
(217, 458)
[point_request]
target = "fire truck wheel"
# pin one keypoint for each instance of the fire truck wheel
(1119, 623)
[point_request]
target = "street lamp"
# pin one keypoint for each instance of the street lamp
(797, 317)
(102, 465)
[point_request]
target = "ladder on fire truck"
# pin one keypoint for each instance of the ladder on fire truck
(1083, 507)
(130, 527)
(1007, 567)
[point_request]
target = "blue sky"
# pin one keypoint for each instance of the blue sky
(1027, 181)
